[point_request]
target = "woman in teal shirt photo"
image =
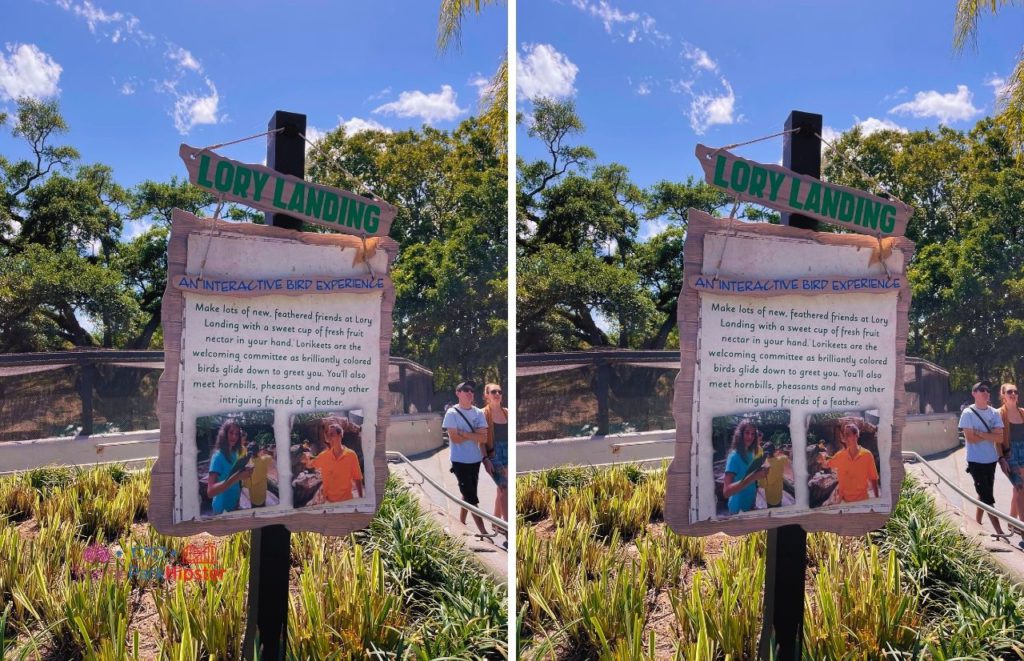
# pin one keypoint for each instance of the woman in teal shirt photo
(739, 487)
(225, 491)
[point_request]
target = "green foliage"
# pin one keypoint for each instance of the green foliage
(967, 278)
(918, 589)
(587, 276)
(451, 277)
(402, 589)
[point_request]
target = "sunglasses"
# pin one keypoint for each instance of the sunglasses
(1011, 392)
(494, 391)
(982, 390)
(465, 390)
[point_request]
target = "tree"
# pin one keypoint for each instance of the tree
(1011, 101)
(587, 278)
(967, 278)
(451, 276)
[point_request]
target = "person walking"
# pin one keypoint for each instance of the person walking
(1012, 460)
(467, 433)
(983, 430)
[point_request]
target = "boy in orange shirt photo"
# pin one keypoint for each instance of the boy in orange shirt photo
(855, 468)
(339, 468)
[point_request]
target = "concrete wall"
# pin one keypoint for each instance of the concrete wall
(931, 433)
(415, 433)
(408, 434)
(924, 434)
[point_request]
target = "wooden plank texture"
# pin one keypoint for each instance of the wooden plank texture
(776, 187)
(682, 480)
(162, 495)
(260, 187)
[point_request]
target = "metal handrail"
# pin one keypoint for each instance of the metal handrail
(475, 510)
(1005, 518)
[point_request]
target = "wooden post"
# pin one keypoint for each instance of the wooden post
(270, 551)
(603, 374)
(86, 381)
(786, 553)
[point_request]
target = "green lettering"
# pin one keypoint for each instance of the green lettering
(278, 192)
(858, 213)
(342, 210)
(740, 176)
(813, 201)
(830, 202)
(204, 167)
(371, 221)
(719, 178)
(758, 178)
(243, 177)
(298, 197)
(887, 223)
(261, 180)
(223, 176)
(869, 217)
(794, 194)
(355, 214)
(775, 180)
(314, 202)
(330, 207)
(845, 206)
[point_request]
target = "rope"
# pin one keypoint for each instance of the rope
(359, 181)
(750, 142)
(235, 142)
(878, 185)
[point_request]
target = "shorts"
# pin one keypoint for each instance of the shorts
(1016, 461)
(468, 476)
(984, 478)
(500, 464)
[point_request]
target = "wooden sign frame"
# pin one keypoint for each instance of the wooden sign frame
(268, 190)
(162, 500)
(678, 494)
(779, 188)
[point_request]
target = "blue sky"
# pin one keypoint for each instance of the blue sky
(134, 80)
(651, 79)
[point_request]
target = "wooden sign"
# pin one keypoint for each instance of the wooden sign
(260, 187)
(272, 404)
(776, 187)
(791, 343)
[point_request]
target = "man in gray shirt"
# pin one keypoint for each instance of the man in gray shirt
(467, 432)
(983, 431)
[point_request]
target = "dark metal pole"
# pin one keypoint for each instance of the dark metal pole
(270, 552)
(86, 380)
(603, 374)
(786, 554)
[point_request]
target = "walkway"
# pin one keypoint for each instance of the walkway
(437, 466)
(953, 465)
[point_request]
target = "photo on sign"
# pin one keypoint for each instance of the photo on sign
(842, 458)
(235, 462)
(329, 453)
(753, 462)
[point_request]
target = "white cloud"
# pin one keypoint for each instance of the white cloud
(192, 109)
(355, 125)
(128, 88)
(183, 59)
(483, 86)
(999, 85)
(951, 107)
(115, 25)
(699, 57)
(707, 110)
(543, 71)
(873, 125)
(829, 136)
(650, 228)
(615, 20)
(644, 88)
(440, 106)
(136, 228)
(28, 71)
(380, 95)
(610, 15)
